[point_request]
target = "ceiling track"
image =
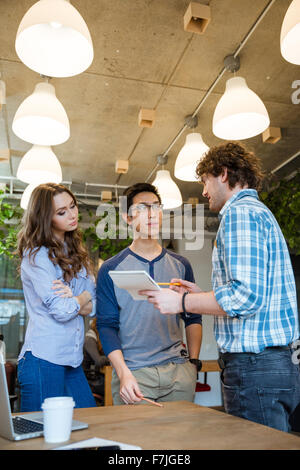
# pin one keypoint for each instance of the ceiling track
(279, 167)
(16, 192)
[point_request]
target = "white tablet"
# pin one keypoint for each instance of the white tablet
(133, 281)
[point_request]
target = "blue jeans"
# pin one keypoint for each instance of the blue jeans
(263, 387)
(40, 379)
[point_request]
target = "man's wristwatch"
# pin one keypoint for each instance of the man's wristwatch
(197, 363)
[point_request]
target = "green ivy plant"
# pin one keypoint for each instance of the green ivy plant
(283, 200)
(10, 220)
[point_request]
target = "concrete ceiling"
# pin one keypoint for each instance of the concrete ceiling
(145, 59)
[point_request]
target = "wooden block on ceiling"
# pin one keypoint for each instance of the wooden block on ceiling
(4, 155)
(196, 18)
(122, 166)
(271, 135)
(106, 196)
(146, 117)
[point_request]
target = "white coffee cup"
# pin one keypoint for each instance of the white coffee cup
(57, 414)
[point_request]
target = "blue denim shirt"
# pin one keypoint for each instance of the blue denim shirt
(55, 331)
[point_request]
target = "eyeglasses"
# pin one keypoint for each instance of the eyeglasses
(142, 207)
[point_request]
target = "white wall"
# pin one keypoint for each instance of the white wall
(201, 264)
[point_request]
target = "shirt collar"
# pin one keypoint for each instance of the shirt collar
(242, 193)
(145, 260)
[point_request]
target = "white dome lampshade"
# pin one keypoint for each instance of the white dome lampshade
(54, 40)
(290, 34)
(41, 119)
(168, 190)
(26, 195)
(39, 165)
(189, 156)
(240, 113)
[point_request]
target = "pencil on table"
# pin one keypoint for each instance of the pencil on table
(153, 402)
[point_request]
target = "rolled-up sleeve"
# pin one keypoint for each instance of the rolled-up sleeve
(245, 257)
(87, 282)
(91, 287)
(41, 273)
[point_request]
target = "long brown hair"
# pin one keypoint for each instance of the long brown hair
(37, 231)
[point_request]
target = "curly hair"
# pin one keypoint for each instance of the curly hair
(37, 232)
(243, 166)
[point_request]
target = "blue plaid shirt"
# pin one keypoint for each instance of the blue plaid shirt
(252, 278)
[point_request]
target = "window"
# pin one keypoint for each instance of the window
(13, 316)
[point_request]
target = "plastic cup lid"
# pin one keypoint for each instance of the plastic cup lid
(58, 402)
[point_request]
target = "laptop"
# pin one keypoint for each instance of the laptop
(24, 426)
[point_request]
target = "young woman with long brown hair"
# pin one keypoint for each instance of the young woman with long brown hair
(59, 291)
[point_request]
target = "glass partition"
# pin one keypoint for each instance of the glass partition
(12, 307)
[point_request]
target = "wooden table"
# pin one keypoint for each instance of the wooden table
(178, 425)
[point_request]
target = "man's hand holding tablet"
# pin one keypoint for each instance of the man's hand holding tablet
(169, 301)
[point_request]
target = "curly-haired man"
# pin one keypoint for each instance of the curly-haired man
(254, 294)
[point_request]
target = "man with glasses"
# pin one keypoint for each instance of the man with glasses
(145, 348)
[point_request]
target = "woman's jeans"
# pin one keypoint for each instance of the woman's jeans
(263, 387)
(40, 379)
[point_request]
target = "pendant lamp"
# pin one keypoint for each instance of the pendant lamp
(189, 156)
(168, 190)
(39, 165)
(41, 119)
(54, 40)
(240, 113)
(290, 34)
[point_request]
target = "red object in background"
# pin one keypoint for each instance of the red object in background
(202, 387)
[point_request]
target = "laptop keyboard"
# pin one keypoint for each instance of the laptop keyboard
(24, 426)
